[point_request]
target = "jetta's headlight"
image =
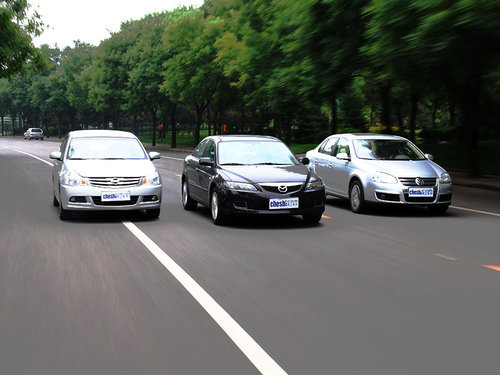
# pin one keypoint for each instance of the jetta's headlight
(445, 178)
(71, 178)
(153, 179)
(240, 186)
(314, 184)
(384, 178)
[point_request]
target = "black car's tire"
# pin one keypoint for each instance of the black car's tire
(216, 208)
(188, 203)
(357, 197)
(153, 213)
(64, 214)
(438, 209)
(312, 218)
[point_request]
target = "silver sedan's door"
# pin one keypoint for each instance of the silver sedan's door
(323, 162)
(340, 167)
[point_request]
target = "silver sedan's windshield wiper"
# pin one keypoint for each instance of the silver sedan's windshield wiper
(113, 158)
(270, 163)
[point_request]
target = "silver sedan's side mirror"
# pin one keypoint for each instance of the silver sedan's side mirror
(430, 157)
(343, 156)
(154, 155)
(56, 155)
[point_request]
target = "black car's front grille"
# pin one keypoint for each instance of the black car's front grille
(98, 202)
(114, 182)
(412, 181)
(285, 188)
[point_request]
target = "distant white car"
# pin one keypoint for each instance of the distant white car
(33, 133)
(383, 169)
(105, 170)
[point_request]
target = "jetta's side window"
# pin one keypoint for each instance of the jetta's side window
(199, 150)
(342, 147)
(328, 146)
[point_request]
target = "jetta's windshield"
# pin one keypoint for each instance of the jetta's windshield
(105, 149)
(386, 149)
(255, 153)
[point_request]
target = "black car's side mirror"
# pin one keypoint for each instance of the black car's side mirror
(207, 161)
(305, 160)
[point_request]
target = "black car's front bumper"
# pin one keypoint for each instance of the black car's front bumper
(237, 202)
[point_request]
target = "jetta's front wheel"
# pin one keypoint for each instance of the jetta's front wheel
(356, 197)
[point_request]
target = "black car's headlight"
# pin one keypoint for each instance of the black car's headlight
(240, 186)
(314, 184)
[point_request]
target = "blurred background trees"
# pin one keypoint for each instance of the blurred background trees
(299, 70)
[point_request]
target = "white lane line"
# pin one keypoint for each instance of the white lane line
(260, 359)
(444, 256)
(475, 211)
(36, 157)
(171, 158)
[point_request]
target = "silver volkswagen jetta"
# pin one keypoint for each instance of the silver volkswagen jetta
(385, 169)
(105, 170)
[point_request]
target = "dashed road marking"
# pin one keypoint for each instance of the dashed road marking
(444, 256)
(36, 157)
(171, 158)
(492, 266)
(476, 211)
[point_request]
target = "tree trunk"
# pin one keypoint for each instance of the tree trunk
(414, 98)
(333, 124)
(199, 119)
(386, 108)
(153, 113)
(173, 125)
(470, 119)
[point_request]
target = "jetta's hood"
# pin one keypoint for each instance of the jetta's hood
(266, 173)
(406, 168)
(111, 168)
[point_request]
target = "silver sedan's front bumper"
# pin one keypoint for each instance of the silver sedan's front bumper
(89, 198)
(398, 194)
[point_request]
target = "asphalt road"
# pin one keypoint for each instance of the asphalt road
(396, 291)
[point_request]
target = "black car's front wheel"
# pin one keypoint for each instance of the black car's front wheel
(216, 209)
(188, 203)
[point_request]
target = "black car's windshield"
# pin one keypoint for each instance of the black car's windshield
(386, 149)
(105, 149)
(255, 153)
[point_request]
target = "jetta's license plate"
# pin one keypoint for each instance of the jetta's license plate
(285, 203)
(420, 192)
(107, 196)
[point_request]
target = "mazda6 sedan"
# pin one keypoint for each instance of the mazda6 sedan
(105, 170)
(242, 175)
(382, 169)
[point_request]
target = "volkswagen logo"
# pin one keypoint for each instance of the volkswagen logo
(419, 181)
(282, 189)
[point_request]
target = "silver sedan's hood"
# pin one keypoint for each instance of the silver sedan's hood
(399, 168)
(111, 168)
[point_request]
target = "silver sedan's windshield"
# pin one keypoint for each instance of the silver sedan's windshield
(386, 149)
(255, 153)
(105, 149)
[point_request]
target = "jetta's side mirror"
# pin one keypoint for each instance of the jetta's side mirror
(56, 155)
(430, 157)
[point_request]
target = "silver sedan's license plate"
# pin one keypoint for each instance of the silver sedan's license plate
(283, 203)
(107, 196)
(420, 192)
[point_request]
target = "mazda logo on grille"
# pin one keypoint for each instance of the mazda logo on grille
(282, 189)
(419, 181)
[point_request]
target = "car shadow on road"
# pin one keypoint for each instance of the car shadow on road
(389, 210)
(102, 217)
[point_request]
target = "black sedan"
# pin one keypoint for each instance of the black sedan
(244, 174)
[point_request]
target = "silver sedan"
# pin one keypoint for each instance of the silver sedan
(383, 169)
(105, 170)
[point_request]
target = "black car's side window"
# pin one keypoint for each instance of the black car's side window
(209, 151)
(328, 146)
(199, 150)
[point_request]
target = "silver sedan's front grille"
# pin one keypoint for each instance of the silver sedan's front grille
(114, 182)
(412, 181)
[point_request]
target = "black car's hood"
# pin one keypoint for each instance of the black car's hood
(265, 173)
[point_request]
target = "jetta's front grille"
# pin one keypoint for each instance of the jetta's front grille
(114, 182)
(412, 181)
(282, 188)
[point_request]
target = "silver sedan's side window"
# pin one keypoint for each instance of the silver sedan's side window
(342, 147)
(328, 146)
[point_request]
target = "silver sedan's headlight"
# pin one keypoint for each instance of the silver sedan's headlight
(314, 184)
(153, 179)
(384, 178)
(445, 178)
(240, 186)
(71, 178)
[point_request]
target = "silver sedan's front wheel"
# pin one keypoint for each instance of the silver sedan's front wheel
(356, 197)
